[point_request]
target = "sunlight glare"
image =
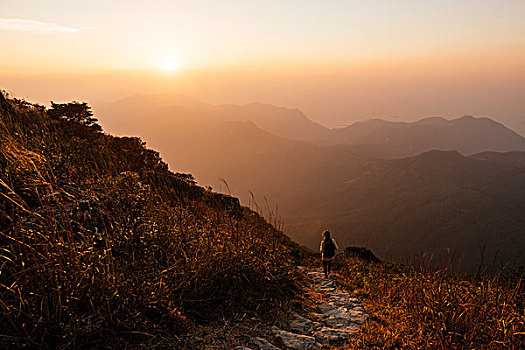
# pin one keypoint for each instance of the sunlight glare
(168, 64)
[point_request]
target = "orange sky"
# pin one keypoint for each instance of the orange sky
(338, 61)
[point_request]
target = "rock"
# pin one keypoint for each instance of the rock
(296, 341)
(331, 335)
(340, 316)
(337, 322)
(334, 315)
(263, 344)
(242, 348)
(300, 324)
(326, 290)
(361, 253)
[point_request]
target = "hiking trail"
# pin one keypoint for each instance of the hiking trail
(334, 317)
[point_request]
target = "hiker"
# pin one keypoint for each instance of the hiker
(328, 248)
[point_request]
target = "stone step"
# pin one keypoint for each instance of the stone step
(296, 341)
(262, 344)
(302, 325)
(341, 317)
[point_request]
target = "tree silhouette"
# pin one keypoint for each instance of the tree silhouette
(78, 112)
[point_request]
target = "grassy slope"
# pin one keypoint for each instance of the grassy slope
(419, 307)
(100, 244)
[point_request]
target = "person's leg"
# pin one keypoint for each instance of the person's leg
(328, 266)
(325, 268)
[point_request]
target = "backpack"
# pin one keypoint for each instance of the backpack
(328, 249)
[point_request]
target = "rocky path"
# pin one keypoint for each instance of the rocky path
(334, 317)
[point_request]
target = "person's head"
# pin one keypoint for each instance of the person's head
(326, 234)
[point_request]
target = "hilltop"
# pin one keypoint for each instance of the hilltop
(102, 245)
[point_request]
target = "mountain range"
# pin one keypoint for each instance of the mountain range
(400, 188)
(374, 137)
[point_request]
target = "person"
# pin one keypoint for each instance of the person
(327, 248)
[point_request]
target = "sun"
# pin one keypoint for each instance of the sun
(168, 64)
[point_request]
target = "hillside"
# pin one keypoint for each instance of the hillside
(434, 202)
(429, 203)
(101, 245)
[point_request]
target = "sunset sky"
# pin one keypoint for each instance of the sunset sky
(338, 61)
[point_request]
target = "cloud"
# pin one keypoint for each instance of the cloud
(28, 25)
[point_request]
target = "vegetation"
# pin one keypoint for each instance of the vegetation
(100, 244)
(74, 111)
(419, 307)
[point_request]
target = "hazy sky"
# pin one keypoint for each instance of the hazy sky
(338, 60)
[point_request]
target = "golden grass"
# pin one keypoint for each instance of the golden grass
(416, 307)
(101, 245)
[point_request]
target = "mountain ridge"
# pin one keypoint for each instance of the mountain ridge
(375, 137)
(407, 168)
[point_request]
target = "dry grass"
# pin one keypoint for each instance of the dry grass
(101, 245)
(417, 307)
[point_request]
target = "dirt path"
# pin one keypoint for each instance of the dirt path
(334, 317)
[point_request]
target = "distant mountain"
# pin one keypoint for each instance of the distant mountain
(375, 183)
(371, 138)
(432, 202)
(467, 135)
(198, 141)
(285, 122)
(122, 115)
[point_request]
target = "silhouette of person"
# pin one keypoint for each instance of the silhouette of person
(327, 248)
